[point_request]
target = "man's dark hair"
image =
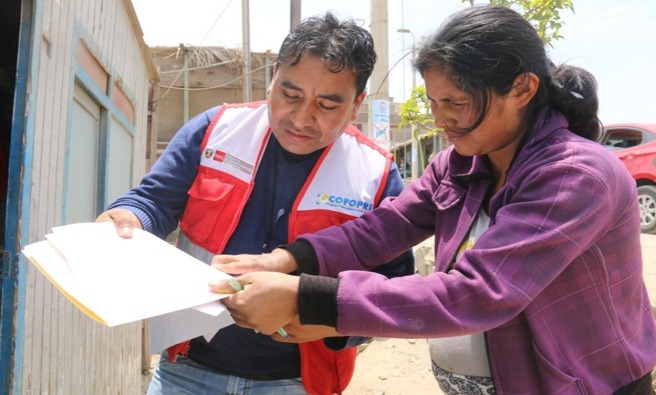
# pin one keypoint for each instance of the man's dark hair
(341, 45)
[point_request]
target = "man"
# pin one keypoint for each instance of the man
(243, 179)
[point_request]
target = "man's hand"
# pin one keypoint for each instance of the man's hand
(267, 302)
(124, 220)
(279, 260)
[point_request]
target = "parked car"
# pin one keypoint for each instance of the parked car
(621, 136)
(635, 146)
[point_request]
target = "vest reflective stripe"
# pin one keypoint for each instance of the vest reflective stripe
(194, 250)
(347, 180)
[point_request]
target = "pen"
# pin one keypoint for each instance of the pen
(237, 287)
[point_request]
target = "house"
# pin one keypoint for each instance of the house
(194, 79)
(74, 121)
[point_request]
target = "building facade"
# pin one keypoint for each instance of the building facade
(74, 90)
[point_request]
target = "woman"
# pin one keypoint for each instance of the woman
(538, 285)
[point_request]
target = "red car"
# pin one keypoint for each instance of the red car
(635, 146)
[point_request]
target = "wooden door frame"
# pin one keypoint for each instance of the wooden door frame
(18, 200)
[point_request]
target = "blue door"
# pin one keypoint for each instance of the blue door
(15, 30)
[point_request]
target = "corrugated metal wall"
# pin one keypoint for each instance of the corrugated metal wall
(64, 352)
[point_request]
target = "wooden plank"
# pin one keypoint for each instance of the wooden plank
(33, 362)
(65, 341)
(53, 336)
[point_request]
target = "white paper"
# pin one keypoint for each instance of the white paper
(178, 326)
(117, 281)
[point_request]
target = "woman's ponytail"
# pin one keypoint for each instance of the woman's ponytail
(574, 93)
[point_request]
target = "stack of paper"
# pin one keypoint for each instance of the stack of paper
(115, 280)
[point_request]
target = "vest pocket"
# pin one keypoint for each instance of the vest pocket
(209, 201)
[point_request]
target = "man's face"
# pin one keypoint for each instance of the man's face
(310, 106)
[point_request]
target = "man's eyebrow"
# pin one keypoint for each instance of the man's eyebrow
(334, 97)
(289, 85)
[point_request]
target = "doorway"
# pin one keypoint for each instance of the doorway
(15, 30)
(9, 29)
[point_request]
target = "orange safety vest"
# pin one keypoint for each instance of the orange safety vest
(347, 180)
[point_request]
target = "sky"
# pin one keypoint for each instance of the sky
(615, 40)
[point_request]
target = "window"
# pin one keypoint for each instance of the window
(100, 143)
(81, 198)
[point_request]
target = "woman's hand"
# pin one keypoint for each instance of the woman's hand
(268, 300)
(279, 260)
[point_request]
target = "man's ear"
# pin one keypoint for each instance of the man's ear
(358, 102)
(273, 75)
(524, 88)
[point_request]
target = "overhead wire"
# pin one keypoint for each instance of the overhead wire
(207, 66)
(216, 86)
(215, 22)
(182, 70)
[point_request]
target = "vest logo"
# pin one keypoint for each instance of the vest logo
(219, 160)
(219, 156)
(325, 199)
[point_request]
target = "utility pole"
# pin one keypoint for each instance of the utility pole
(379, 100)
(246, 49)
(294, 13)
(414, 143)
(185, 92)
(379, 84)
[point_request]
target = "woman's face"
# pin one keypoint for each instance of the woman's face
(497, 136)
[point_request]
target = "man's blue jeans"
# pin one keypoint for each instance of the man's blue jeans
(186, 377)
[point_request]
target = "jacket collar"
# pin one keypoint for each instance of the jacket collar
(548, 124)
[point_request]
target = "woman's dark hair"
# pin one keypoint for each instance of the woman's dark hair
(340, 44)
(483, 49)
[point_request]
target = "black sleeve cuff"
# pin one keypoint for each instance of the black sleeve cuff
(340, 343)
(305, 257)
(335, 343)
(317, 300)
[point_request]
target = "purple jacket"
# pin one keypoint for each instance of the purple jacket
(555, 283)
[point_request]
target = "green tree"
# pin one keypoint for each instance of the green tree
(544, 15)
